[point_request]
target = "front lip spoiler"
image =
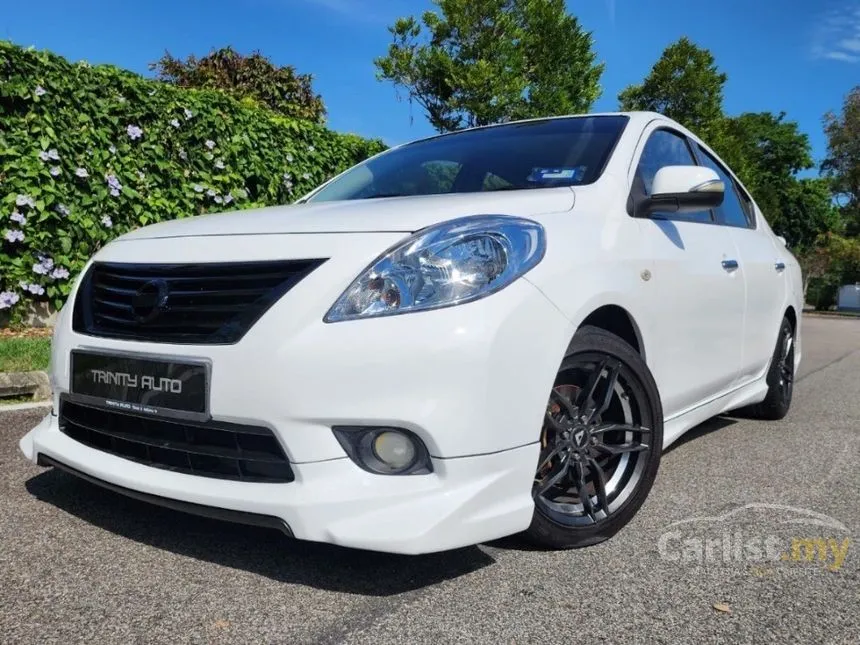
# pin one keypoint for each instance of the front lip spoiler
(213, 512)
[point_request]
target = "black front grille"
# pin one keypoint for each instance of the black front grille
(182, 303)
(212, 449)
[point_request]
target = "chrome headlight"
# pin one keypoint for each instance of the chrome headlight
(443, 265)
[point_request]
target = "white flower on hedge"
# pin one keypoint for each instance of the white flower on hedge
(60, 273)
(219, 199)
(121, 98)
(44, 155)
(175, 123)
(8, 299)
(311, 149)
(107, 222)
(112, 150)
(25, 200)
(152, 93)
(288, 184)
(40, 91)
(219, 164)
(188, 113)
(209, 144)
(211, 192)
(307, 175)
(36, 289)
(17, 217)
(289, 158)
(14, 235)
(44, 267)
(63, 210)
(134, 132)
(83, 173)
(55, 171)
(183, 155)
(197, 188)
(53, 154)
(228, 198)
(141, 175)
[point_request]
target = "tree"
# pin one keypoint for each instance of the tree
(488, 61)
(684, 84)
(254, 76)
(842, 165)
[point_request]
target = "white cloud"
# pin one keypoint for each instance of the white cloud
(837, 34)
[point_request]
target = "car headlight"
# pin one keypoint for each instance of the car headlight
(443, 265)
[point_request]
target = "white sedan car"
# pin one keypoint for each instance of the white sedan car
(478, 334)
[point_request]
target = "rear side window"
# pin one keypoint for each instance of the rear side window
(736, 209)
(666, 148)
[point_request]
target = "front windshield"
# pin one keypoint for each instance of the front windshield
(533, 154)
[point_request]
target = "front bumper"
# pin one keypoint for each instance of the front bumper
(471, 381)
(464, 501)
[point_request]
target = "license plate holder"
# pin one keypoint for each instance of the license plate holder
(143, 384)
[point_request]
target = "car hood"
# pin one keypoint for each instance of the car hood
(394, 214)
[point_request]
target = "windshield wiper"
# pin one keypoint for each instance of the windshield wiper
(382, 195)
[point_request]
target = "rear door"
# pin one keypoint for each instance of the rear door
(760, 265)
(695, 290)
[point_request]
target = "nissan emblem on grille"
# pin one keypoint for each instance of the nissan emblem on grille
(150, 300)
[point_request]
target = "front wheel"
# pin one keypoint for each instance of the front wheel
(601, 443)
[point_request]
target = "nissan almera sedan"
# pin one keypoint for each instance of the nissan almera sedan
(479, 334)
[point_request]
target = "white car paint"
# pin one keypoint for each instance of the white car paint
(471, 380)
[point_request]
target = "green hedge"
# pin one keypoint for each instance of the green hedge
(90, 152)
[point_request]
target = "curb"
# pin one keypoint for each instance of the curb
(35, 405)
(36, 384)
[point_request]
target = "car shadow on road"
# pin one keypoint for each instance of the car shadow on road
(262, 551)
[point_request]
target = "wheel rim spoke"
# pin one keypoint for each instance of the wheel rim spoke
(621, 448)
(552, 455)
(612, 370)
(582, 490)
(588, 392)
(599, 484)
(623, 427)
(551, 481)
(566, 404)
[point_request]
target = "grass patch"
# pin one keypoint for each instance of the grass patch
(19, 354)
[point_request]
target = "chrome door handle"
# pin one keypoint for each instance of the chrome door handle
(779, 265)
(730, 265)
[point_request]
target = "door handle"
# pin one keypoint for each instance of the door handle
(730, 265)
(779, 265)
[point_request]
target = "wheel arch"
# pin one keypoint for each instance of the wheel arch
(618, 321)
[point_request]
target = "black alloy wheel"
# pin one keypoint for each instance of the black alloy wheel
(601, 443)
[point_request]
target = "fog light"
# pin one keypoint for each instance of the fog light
(394, 449)
(385, 451)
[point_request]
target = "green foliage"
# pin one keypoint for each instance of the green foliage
(842, 165)
(88, 153)
(486, 61)
(255, 77)
(684, 85)
(18, 354)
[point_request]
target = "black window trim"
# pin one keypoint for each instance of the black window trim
(632, 197)
(740, 192)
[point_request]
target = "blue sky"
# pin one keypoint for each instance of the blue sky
(798, 56)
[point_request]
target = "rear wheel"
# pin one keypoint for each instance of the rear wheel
(601, 443)
(780, 378)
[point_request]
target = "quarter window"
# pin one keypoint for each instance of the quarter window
(735, 210)
(666, 148)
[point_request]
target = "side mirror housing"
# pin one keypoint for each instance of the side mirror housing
(682, 189)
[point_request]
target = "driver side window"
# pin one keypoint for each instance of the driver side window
(666, 148)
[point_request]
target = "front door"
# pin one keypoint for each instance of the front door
(696, 290)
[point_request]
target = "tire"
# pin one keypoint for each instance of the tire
(623, 429)
(780, 379)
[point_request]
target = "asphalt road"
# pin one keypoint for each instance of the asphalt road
(78, 564)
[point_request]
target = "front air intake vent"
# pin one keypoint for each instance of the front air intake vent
(206, 304)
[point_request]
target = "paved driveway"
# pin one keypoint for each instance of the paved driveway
(78, 564)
